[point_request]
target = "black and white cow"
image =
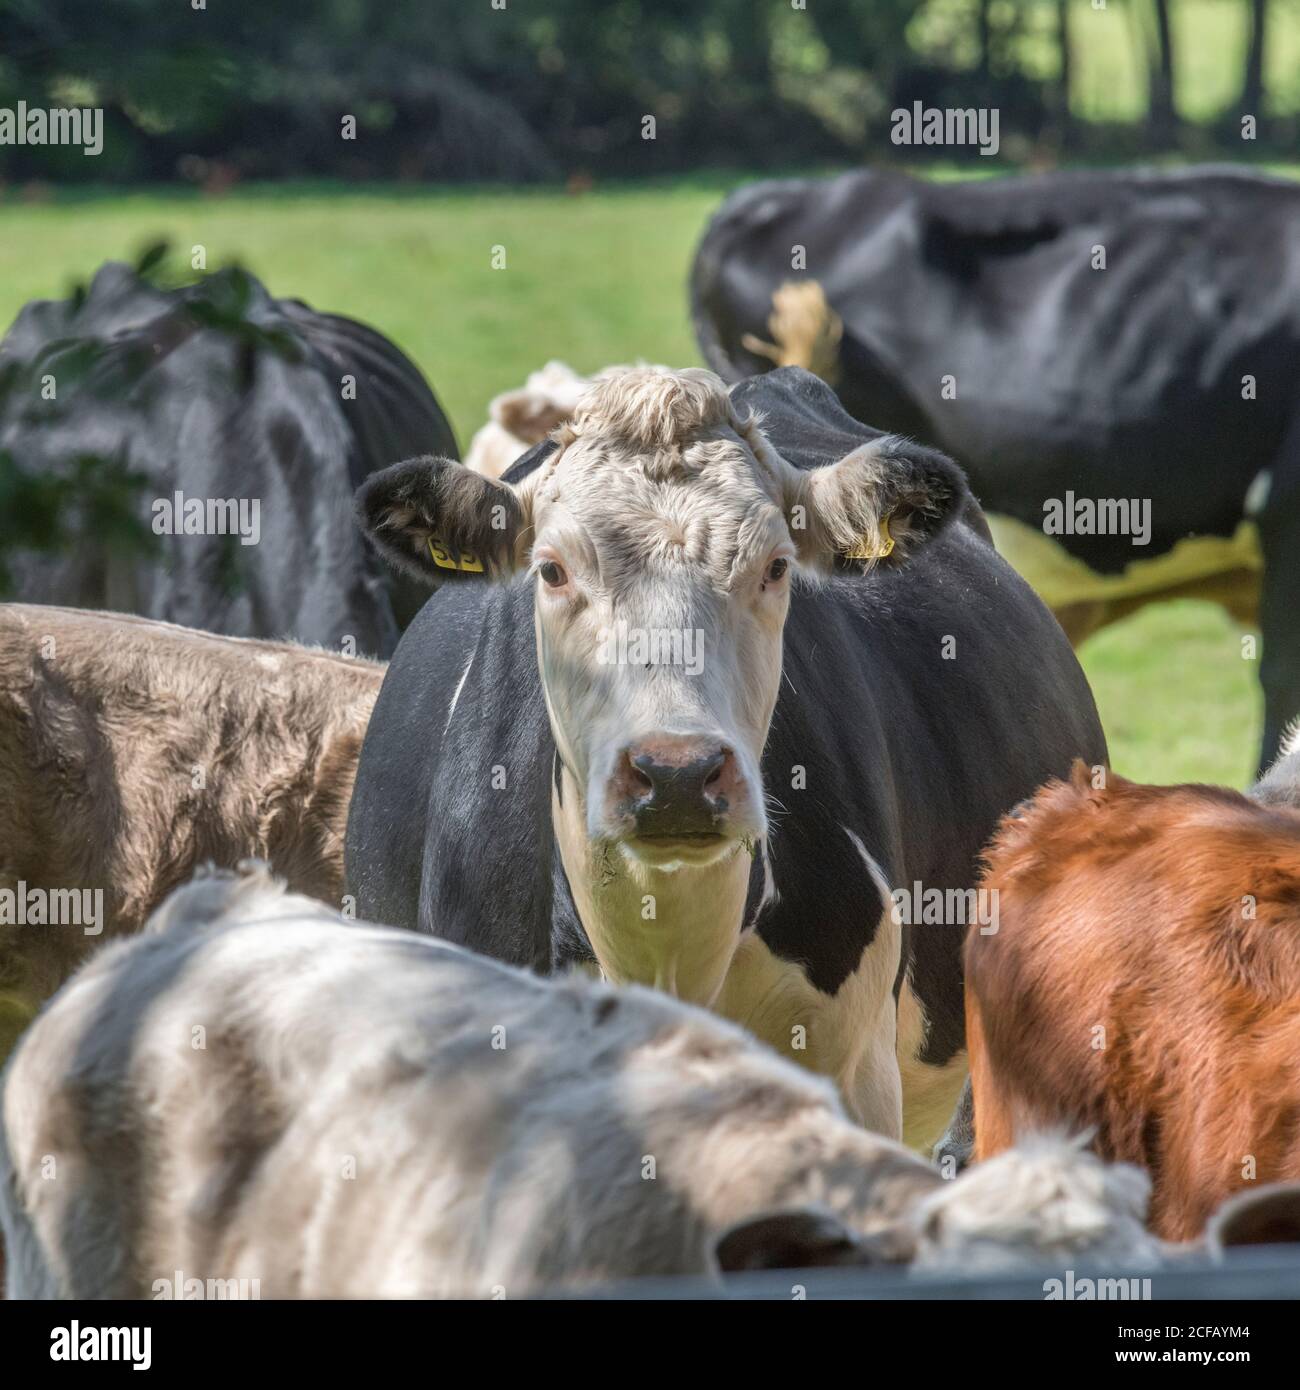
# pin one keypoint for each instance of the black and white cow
(1072, 340)
(693, 740)
(246, 423)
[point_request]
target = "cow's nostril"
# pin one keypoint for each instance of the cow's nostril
(715, 771)
(639, 775)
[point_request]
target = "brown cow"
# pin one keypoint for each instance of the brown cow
(133, 751)
(1144, 984)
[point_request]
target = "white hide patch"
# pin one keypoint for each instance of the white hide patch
(455, 698)
(848, 1036)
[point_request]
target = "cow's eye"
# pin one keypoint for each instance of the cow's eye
(776, 570)
(552, 574)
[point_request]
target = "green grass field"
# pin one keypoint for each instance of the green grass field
(593, 279)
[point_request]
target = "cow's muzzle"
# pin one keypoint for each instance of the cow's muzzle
(677, 793)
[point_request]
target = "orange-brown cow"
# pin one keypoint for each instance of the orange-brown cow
(1144, 983)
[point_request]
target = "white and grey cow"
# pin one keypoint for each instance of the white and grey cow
(254, 1090)
(751, 669)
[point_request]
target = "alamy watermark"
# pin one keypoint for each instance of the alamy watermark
(933, 125)
(77, 1343)
(1072, 1289)
(935, 907)
(180, 1286)
(21, 906)
(179, 515)
(622, 645)
(61, 125)
(1098, 516)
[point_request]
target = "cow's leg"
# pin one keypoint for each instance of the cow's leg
(994, 1130)
(930, 1089)
(955, 1150)
(873, 1094)
(1279, 617)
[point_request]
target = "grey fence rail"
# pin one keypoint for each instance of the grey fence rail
(1263, 1273)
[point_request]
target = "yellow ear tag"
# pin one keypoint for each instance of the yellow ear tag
(862, 551)
(445, 559)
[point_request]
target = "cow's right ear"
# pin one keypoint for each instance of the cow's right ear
(437, 519)
(1265, 1216)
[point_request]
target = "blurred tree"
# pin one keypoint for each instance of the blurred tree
(985, 32)
(1063, 121)
(1161, 114)
(1252, 95)
(445, 89)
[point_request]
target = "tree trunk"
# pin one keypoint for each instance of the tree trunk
(1067, 65)
(1162, 115)
(1252, 97)
(985, 33)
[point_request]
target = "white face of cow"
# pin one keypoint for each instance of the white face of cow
(663, 536)
(663, 563)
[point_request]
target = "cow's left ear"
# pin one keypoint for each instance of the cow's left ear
(803, 1238)
(877, 505)
(437, 519)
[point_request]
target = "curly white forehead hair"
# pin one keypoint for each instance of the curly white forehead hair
(654, 407)
(1047, 1199)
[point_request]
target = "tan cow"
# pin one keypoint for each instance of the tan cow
(132, 751)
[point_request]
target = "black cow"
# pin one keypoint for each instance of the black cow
(566, 796)
(223, 395)
(1070, 339)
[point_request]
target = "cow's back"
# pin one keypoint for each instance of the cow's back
(211, 394)
(131, 752)
(979, 318)
(496, 1124)
(1142, 984)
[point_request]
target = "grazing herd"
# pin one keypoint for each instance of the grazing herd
(254, 1090)
(749, 791)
